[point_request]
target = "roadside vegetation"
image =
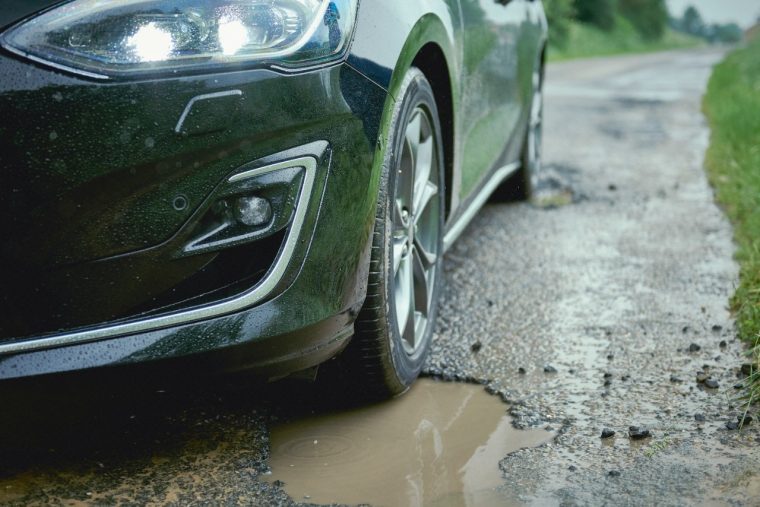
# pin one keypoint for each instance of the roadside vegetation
(584, 28)
(586, 40)
(732, 105)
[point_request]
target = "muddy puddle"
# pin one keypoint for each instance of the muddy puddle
(440, 445)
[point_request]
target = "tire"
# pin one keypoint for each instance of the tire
(522, 184)
(395, 326)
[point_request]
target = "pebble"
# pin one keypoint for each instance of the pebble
(550, 369)
(675, 379)
(717, 329)
(614, 473)
(572, 468)
(744, 419)
(712, 383)
(723, 344)
(694, 348)
(607, 433)
(732, 425)
(700, 417)
(637, 433)
(702, 377)
(521, 370)
(475, 347)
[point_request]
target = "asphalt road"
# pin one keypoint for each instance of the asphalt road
(611, 290)
(584, 307)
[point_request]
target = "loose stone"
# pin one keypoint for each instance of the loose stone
(638, 433)
(712, 383)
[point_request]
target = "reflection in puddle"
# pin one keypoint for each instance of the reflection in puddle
(440, 444)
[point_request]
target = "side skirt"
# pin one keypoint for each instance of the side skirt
(480, 199)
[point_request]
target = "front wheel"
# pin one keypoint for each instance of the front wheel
(395, 325)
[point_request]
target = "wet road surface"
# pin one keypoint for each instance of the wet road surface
(623, 292)
(597, 307)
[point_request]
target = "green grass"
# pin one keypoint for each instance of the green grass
(586, 41)
(732, 106)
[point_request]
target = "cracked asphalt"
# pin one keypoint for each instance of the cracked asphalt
(601, 305)
(623, 292)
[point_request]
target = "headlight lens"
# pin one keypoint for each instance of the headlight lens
(126, 37)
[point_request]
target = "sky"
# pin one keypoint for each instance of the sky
(743, 12)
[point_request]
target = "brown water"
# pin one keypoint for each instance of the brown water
(440, 444)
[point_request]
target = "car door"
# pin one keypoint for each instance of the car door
(491, 91)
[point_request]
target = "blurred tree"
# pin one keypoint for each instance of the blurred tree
(600, 13)
(729, 33)
(559, 13)
(692, 22)
(649, 17)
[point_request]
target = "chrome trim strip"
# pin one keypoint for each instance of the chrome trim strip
(247, 299)
(54, 65)
(460, 225)
(198, 98)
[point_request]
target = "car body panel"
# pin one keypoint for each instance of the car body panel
(491, 85)
(89, 173)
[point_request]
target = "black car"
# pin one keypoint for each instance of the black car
(254, 184)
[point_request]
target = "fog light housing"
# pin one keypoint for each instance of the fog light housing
(252, 211)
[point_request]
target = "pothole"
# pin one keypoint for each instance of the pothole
(440, 444)
(553, 189)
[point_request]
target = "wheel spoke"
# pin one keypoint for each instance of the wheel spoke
(405, 179)
(414, 132)
(399, 243)
(427, 257)
(422, 168)
(423, 199)
(408, 329)
(421, 284)
(403, 293)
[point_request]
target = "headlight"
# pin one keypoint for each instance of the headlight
(103, 38)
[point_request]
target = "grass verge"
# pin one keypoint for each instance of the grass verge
(586, 41)
(732, 106)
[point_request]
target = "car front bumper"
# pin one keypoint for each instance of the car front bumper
(93, 178)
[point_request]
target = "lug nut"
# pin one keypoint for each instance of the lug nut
(252, 211)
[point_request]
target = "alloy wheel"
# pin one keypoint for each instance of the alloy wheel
(416, 231)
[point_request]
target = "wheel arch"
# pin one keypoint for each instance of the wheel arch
(432, 62)
(430, 47)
